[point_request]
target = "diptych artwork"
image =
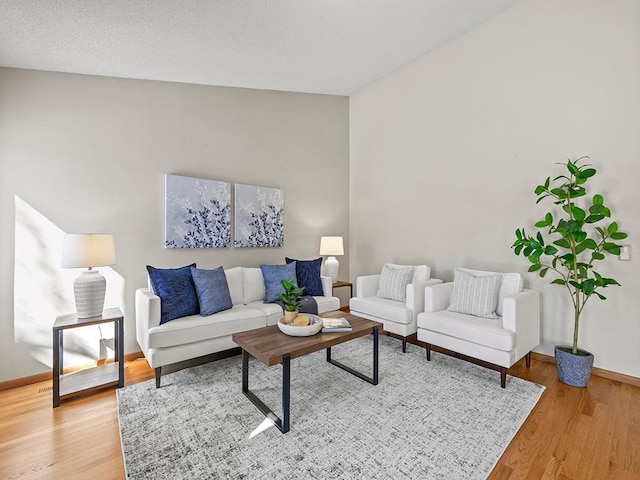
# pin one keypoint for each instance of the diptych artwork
(259, 216)
(198, 213)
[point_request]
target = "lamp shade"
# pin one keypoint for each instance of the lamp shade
(331, 246)
(88, 250)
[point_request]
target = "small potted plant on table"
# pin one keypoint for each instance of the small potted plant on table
(290, 299)
(572, 247)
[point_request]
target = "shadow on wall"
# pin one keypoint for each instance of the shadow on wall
(43, 290)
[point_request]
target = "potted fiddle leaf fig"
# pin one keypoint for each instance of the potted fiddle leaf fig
(290, 299)
(570, 242)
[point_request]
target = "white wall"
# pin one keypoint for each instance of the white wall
(89, 154)
(445, 154)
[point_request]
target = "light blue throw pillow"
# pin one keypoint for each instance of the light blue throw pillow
(212, 289)
(273, 276)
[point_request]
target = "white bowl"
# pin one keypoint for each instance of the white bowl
(315, 325)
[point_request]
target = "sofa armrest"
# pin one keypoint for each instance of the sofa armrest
(327, 286)
(367, 285)
(415, 294)
(521, 314)
(147, 315)
(437, 297)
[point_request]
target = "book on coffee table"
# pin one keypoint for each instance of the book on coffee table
(332, 325)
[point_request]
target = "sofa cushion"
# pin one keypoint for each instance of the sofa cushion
(475, 295)
(511, 284)
(482, 331)
(308, 275)
(195, 328)
(174, 286)
(212, 289)
(391, 310)
(253, 285)
(273, 311)
(273, 276)
(393, 282)
(234, 281)
(420, 272)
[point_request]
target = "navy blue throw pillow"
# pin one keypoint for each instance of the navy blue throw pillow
(212, 289)
(308, 275)
(273, 276)
(176, 290)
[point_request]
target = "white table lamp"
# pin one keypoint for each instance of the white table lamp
(88, 251)
(331, 246)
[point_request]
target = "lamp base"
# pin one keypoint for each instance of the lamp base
(331, 267)
(89, 289)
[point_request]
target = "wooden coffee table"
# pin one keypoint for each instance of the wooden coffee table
(272, 347)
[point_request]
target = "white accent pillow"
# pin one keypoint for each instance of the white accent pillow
(393, 282)
(420, 272)
(475, 295)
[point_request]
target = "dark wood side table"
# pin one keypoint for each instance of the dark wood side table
(338, 284)
(90, 378)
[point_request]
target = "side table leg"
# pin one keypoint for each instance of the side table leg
(57, 361)
(119, 353)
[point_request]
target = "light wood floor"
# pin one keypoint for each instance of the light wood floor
(572, 434)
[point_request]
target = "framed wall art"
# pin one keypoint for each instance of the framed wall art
(197, 213)
(259, 216)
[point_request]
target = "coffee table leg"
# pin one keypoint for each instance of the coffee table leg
(281, 423)
(286, 393)
(372, 380)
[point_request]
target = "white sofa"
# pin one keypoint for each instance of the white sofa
(496, 343)
(194, 336)
(397, 317)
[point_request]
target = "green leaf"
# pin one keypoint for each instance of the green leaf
(572, 167)
(612, 228)
(518, 234)
(588, 243)
(576, 285)
(550, 250)
(541, 224)
(576, 192)
(578, 213)
(518, 249)
(597, 256)
(562, 243)
(588, 172)
(543, 272)
(559, 281)
(539, 189)
(612, 248)
(588, 286)
(619, 235)
(579, 236)
(598, 199)
(593, 218)
(534, 267)
(602, 297)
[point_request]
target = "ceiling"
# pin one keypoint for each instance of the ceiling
(316, 46)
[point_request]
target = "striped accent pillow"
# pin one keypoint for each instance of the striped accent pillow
(476, 296)
(393, 282)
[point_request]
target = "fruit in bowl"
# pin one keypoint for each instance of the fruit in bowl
(301, 321)
(304, 325)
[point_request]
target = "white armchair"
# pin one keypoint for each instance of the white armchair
(496, 343)
(397, 316)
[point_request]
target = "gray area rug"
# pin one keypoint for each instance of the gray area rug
(444, 419)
